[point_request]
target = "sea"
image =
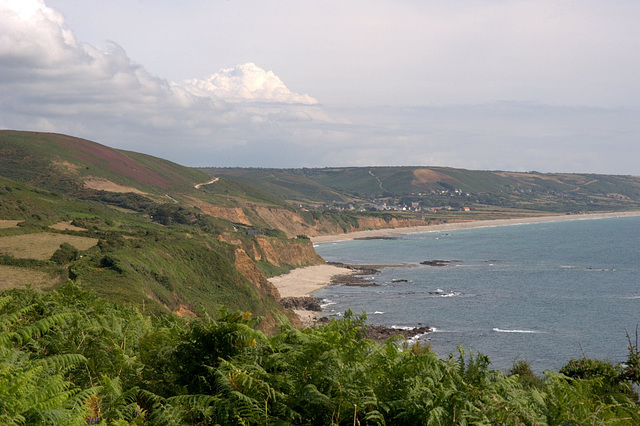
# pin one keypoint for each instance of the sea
(542, 292)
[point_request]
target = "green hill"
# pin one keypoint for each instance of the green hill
(438, 186)
(136, 228)
(72, 165)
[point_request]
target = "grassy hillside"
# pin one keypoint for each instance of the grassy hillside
(76, 166)
(290, 184)
(65, 163)
(134, 228)
(442, 186)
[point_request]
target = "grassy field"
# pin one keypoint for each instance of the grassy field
(64, 226)
(5, 224)
(16, 277)
(42, 245)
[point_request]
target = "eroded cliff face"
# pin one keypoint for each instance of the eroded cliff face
(298, 252)
(232, 214)
(379, 223)
(288, 221)
(293, 224)
(250, 271)
(295, 252)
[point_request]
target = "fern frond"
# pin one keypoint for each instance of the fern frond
(61, 362)
(38, 328)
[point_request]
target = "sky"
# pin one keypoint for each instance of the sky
(521, 85)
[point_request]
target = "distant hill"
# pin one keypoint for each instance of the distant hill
(434, 186)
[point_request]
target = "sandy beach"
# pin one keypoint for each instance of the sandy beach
(466, 225)
(302, 282)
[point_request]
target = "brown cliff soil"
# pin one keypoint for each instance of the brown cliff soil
(293, 224)
(292, 252)
(379, 223)
(298, 252)
(232, 214)
(250, 271)
(266, 252)
(286, 220)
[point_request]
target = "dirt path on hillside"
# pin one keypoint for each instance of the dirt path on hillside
(198, 185)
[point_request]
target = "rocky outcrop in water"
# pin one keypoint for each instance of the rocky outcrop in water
(381, 333)
(439, 262)
(302, 303)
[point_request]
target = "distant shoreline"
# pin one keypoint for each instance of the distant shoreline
(381, 233)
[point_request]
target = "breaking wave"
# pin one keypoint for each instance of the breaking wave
(499, 330)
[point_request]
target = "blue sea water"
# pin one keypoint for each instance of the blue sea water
(543, 293)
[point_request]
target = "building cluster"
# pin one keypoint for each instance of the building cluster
(415, 202)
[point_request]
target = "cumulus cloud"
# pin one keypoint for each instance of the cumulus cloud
(246, 82)
(48, 76)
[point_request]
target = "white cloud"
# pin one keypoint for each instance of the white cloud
(41, 59)
(246, 82)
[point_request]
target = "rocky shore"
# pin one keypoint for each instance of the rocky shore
(380, 333)
(306, 303)
(307, 307)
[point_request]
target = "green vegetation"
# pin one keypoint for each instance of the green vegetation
(125, 240)
(153, 247)
(160, 256)
(503, 192)
(69, 357)
(62, 163)
(290, 184)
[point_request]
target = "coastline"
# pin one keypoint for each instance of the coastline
(302, 282)
(379, 233)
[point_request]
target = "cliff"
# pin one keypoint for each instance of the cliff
(292, 223)
(290, 253)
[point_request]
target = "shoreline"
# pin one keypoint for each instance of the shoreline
(387, 232)
(302, 282)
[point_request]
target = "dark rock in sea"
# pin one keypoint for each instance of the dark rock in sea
(377, 238)
(381, 333)
(399, 281)
(356, 279)
(362, 284)
(323, 320)
(305, 303)
(359, 269)
(439, 262)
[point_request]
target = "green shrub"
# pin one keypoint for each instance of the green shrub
(65, 254)
(526, 376)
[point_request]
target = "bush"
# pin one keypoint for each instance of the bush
(611, 377)
(526, 376)
(65, 254)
